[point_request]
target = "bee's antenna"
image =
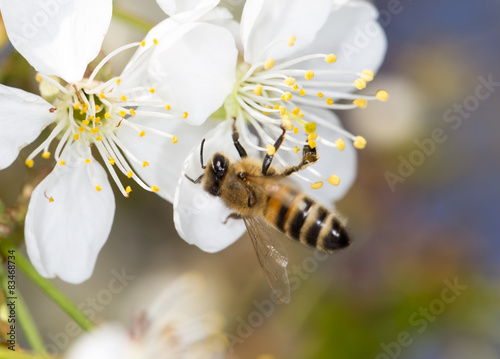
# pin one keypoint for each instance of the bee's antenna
(201, 154)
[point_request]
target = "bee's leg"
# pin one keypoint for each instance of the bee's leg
(309, 156)
(233, 215)
(237, 144)
(269, 158)
(196, 181)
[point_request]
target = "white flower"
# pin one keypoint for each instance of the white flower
(175, 326)
(129, 121)
(290, 73)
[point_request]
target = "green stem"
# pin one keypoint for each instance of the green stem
(6, 353)
(133, 20)
(24, 317)
(49, 288)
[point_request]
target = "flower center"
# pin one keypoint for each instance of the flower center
(272, 94)
(90, 113)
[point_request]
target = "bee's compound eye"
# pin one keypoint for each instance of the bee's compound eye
(219, 164)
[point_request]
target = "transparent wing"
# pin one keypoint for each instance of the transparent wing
(272, 256)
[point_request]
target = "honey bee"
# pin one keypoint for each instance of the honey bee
(257, 193)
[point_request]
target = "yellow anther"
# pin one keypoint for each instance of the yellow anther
(51, 199)
(97, 119)
(269, 63)
(287, 123)
(360, 102)
(85, 122)
(38, 78)
(81, 128)
(257, 89)
(295, 130)
(132, 112)
(312, 144)
(76, 136)
(360, 83)
(340, 144)
(155, 41)
(296, 111)
(297, 149)
(142, 133)
(122, 113)
(313, 136)
(271, 150)
(295, 87)
(382, 95)
(123, 98)
(98, 188)
(359, 142)
(329, 101)
(87, 160)
(291, 40)
(155, 189)
(309, 74)
(62, 162)
(334, 180)
(167, 107)
(320, 95)
(102, 95)
(99, 138)
(143, 43)
(46, 155)
(301, 114)
(302, 92)
(94, 130)
(289, 81)
(145, 164)
(185, 115)
(330, 58)
(152, 90)
(118, 80)
(111, 161)
(367, 75)
(317, 185)
(77, 105)
(130, 174)
(175, 139)
(310, 127)
(128, 189)
(107, 115)
(286, 96)
(29, 163)
(277, 107)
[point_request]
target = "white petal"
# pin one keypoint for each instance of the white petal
(187, 10)
(23, 118)
(106, 342)
(332, 161)
(353, 34)
(64, 237)
(198, 216)
(265, 21)
(57, 37)
(195, 69)
(164, 157)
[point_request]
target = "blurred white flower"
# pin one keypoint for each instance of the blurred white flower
(174, 326)
(126, 120)
(290, 73)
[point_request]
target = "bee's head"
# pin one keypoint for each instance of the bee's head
(215, 173)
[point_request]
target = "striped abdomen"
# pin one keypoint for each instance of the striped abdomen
(303, 219)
